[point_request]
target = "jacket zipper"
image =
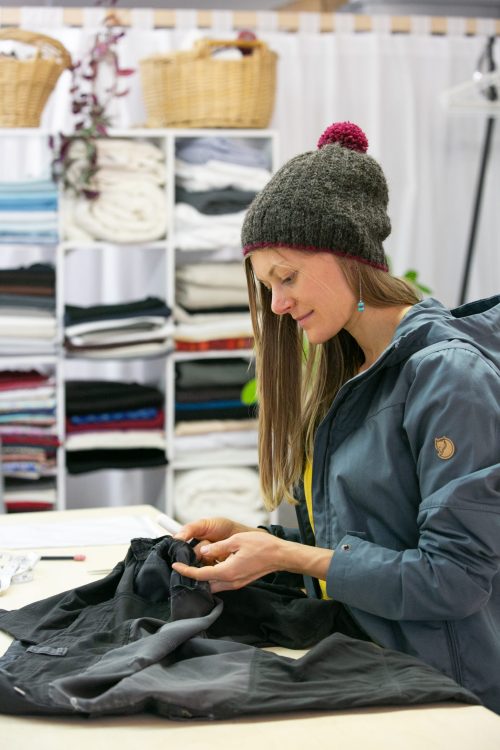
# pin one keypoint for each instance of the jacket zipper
(453, 649)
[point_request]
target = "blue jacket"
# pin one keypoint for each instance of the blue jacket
(406, 491)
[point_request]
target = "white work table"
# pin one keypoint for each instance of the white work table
(426, 727)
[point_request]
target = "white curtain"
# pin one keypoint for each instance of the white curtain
(387, 83)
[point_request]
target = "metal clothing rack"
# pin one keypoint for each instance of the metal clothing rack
(491, 93)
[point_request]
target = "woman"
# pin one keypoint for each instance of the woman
(385, 430)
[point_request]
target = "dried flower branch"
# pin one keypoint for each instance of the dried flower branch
(75, 161)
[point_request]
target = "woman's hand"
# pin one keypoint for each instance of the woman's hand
(245, 556)
(211, 530)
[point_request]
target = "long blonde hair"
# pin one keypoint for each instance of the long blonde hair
(296, 384)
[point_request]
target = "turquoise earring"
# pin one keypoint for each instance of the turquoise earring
(361, 304)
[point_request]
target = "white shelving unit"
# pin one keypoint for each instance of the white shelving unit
(163, 367)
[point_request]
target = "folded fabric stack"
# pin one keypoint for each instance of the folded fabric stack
(28, 212)
(112, 424)
(216, 179)
(132, 329)
(29, 439)
(212, 307)
(228, 491)
(131, 205)
(27, 309)
(209, 413)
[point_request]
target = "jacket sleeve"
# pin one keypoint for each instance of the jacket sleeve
(452, 425)
(283, 532)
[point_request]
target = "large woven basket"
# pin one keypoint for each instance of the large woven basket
(26, 84)
(196, 89)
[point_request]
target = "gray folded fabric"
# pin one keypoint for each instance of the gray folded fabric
(214, 372)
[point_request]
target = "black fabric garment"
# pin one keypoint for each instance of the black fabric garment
(89, 396)
(143, 639)
(80, 462)
(209, 310)
(38, 274)
(222, 412)
(148, 306)
(194, 395)
(224, 201)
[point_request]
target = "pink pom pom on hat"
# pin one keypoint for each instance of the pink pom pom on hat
(346, 134)
(333, 199)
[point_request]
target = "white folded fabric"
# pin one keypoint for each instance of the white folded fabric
(21, 405)
(215, 174)
(42, 216)
(223, 329)
(116, 439)
(31, 394)
(205, 426)
(203, 318)
(30, 493)
(26, 311)
(215, 441)
(219, 491)
(29, 429)
(25, 345)
(203, 285)
(139, 322)
(213, 275)
(122, 335)
(12, 326)
(124, 352)
(197, 231)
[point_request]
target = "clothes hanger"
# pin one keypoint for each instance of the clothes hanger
(480, 94)
(474, 95)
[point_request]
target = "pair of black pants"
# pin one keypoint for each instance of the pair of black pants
(146, 639)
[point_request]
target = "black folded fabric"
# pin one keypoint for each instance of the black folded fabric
(213, 393)
(223, 310)
(216, 202)
(148, 306)
(89, 396)
(224, 412)
(80, 462)
(38, 274)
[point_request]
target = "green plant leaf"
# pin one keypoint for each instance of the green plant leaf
(249, 392)
(412, 276)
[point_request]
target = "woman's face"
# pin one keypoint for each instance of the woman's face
(309, 286)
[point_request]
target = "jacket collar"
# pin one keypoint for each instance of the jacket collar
(430, 322)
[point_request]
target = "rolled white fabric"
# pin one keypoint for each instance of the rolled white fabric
(133, 210)
(122, 153)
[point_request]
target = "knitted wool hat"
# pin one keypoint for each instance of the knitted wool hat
(333, 199)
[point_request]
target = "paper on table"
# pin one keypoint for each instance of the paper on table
(77, 533)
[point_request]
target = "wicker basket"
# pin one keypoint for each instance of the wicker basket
(26, 84)
(194, 89)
